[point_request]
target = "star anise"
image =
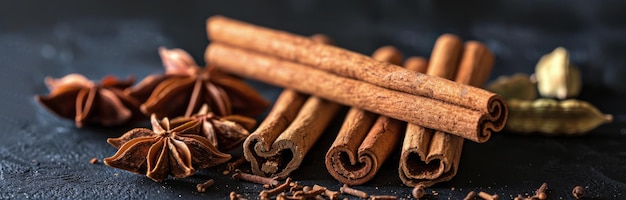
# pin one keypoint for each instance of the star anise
(75, 97)
(165, 150)
(185, 87)
(224, 132)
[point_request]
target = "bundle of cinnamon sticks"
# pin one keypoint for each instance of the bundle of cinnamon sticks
(297, 120)
(334, 75)
(431, 156)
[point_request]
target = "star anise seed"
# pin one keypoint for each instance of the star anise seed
(165, 150)
(224, 132)
(75, 97)
(185, 87)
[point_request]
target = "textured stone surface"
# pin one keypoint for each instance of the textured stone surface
(43, 156)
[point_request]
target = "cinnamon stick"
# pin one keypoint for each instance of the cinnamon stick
(430, 156)
(438, 97)
(365, 139)
(415, 63)
(290, 147)
(467, 123)
(293, 125)
(477, 64)
(417, 142)
(342, 62)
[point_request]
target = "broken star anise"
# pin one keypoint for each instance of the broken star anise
(177, 151)
(75, 97)
(185, 87)
(224, 132)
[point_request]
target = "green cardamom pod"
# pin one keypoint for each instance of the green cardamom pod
(556, 77)
(552, 117)
(519, 86)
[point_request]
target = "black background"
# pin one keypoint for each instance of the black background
(43, 156)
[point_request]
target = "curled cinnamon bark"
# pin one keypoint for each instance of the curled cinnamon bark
(291, 128)
(427, 112)
(365, 139)
(353, 79)
(288, 150)
(430, 156)
(340, 61)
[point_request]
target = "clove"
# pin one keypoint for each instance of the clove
(520, 197)
(332, 195)
(541, 192)
(354, 192)
(265, 194)
(234, 196)
(488, 196)
(201, 187)
(238, 175)
(383, 197)
(232, 166)
(308, 192)
(283, 196)
(295, 187)
(470, 195)
(418, 191)
(578, 192)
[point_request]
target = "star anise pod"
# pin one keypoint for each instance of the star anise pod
(165, 150)
(75, 97)
(185, 87)
(223, 132)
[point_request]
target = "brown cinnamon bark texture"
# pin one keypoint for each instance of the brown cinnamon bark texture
(365, 139)
(293, 125)
(342, 62)
(278, 119)
(428, 156)
(476, 64)
(304, 57)
(468, 123)
(417, 146)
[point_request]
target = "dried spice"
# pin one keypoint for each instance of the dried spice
(265, 194)
(470, 195)
(309, 193)
(232, 166)
(332, 195)
(488, 196)
(201, 187)
(296, 62)
(431, 156)
(303, 130)
(234, 196)
(293, 125)
(224, 132)
(541, 192)
(164, 150)
(383, 197)
(185, 87)
(75, 97)
(365, 139)
(418, 191)
(519, 86)
(554, 117)
(345, 189)
(238, 175)
(578, 192)
(556, 77)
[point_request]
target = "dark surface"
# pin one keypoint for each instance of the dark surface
(43, 156)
